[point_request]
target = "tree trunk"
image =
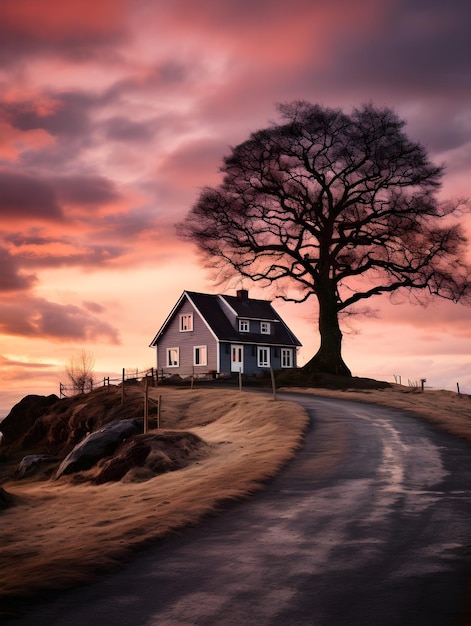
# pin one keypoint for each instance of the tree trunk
(328, 359)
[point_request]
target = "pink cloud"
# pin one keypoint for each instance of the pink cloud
(14, 142)
(37, 318)
(440, 317)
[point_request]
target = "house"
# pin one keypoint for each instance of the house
(223, 335)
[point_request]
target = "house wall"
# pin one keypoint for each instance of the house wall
(251, 358)
(186, 341)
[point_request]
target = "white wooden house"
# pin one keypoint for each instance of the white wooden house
(223, 335)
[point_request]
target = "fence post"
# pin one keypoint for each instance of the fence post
(272, 374)
(458, 388)
(122, 388)
(146, 405)
(240, 379)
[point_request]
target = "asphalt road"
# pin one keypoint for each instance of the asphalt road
(368, 525)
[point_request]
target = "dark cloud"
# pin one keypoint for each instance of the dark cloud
(131, 224)
(24, 196)
(35, 251)
(68, 113)
(172, 71)
(414, 58)
(38, 318)
(11, 277)
(86, 190)
(65, 117)
(120, 128)
(77, 31)
(34, 239)
(31, 196)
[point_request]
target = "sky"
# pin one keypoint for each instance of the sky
(115, 113)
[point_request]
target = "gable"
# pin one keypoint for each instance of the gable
(221, 313)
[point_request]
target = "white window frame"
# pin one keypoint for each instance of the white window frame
(244, 326)
(265, 328)
(186, 322)
(172, 362)
(287, 357)
(203, 355)
(263, 356)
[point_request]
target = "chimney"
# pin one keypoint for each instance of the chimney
(242, 294)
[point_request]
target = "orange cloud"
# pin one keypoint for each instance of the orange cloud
(15, 142)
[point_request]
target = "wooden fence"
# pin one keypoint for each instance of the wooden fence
(149, 377)
(129, 376)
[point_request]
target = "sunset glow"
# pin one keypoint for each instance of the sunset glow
(115, 113)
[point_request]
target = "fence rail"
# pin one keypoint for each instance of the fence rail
(127, 376)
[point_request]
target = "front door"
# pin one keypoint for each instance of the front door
(237, 358)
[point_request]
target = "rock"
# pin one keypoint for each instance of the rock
(23, 415)
(31, 463)
(147, 455)
(97, 445)
(132, 454)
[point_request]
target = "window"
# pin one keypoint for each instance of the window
(186, 322)
(173, 357)
(263, 357)
(244, 326)
(286, 357)
(199, 355)
(265, 328)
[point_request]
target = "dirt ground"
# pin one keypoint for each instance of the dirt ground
(59, 533)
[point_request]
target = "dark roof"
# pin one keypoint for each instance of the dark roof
(212, 309)
(249, 308)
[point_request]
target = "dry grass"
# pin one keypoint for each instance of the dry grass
(59, 533)
(447, 410)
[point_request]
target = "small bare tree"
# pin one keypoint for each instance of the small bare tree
(79, 370)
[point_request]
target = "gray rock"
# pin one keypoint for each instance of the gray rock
(97, 445)
(30, 463)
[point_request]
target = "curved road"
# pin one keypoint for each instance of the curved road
(369, 524)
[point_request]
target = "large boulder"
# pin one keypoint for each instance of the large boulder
(23, 416)
(98, 445)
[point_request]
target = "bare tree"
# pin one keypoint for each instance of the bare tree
(336, 206)
(79, 370)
